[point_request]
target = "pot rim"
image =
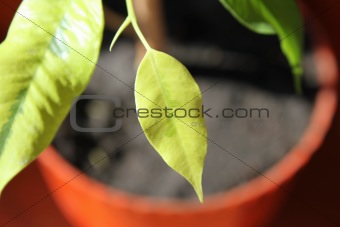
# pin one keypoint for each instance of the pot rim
(271, 180)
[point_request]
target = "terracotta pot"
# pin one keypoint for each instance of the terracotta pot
(71, 196)
(7, 11)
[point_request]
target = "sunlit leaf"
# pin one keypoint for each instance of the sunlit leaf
(163, 82)
(281, 17)
(45, 62)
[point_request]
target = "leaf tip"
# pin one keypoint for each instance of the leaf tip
(297, 72)
(200, 196)
(198, 188)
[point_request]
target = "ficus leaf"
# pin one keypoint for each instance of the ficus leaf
(45, 62)
(274, 17)
(181, 140)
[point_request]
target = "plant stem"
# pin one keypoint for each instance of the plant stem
(133, 18)
(120, 31)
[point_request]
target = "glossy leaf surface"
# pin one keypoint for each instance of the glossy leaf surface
(45, 62)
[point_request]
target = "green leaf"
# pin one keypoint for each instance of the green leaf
(274, 17)
(45, 62)
(163, 82)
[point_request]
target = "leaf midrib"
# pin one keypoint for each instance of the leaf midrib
(167, 102)
(5, 133)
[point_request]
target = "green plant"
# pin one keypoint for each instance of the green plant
(49, 55)
(270, 17)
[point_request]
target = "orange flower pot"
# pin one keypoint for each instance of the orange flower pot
(51, 192)
(7, 10)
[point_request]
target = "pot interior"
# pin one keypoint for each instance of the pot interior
(255, 118)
